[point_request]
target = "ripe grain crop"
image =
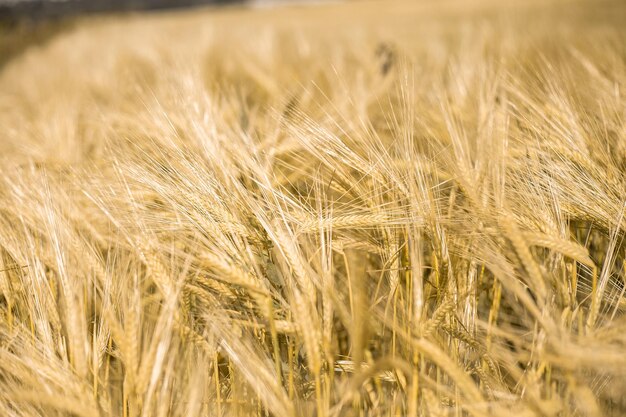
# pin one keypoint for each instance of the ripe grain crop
(349, 209)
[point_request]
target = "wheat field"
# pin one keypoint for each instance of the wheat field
(346, 209)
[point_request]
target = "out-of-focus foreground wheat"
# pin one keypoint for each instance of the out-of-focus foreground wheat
(363, 209)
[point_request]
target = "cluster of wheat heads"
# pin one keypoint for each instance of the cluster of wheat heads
(348, 210)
